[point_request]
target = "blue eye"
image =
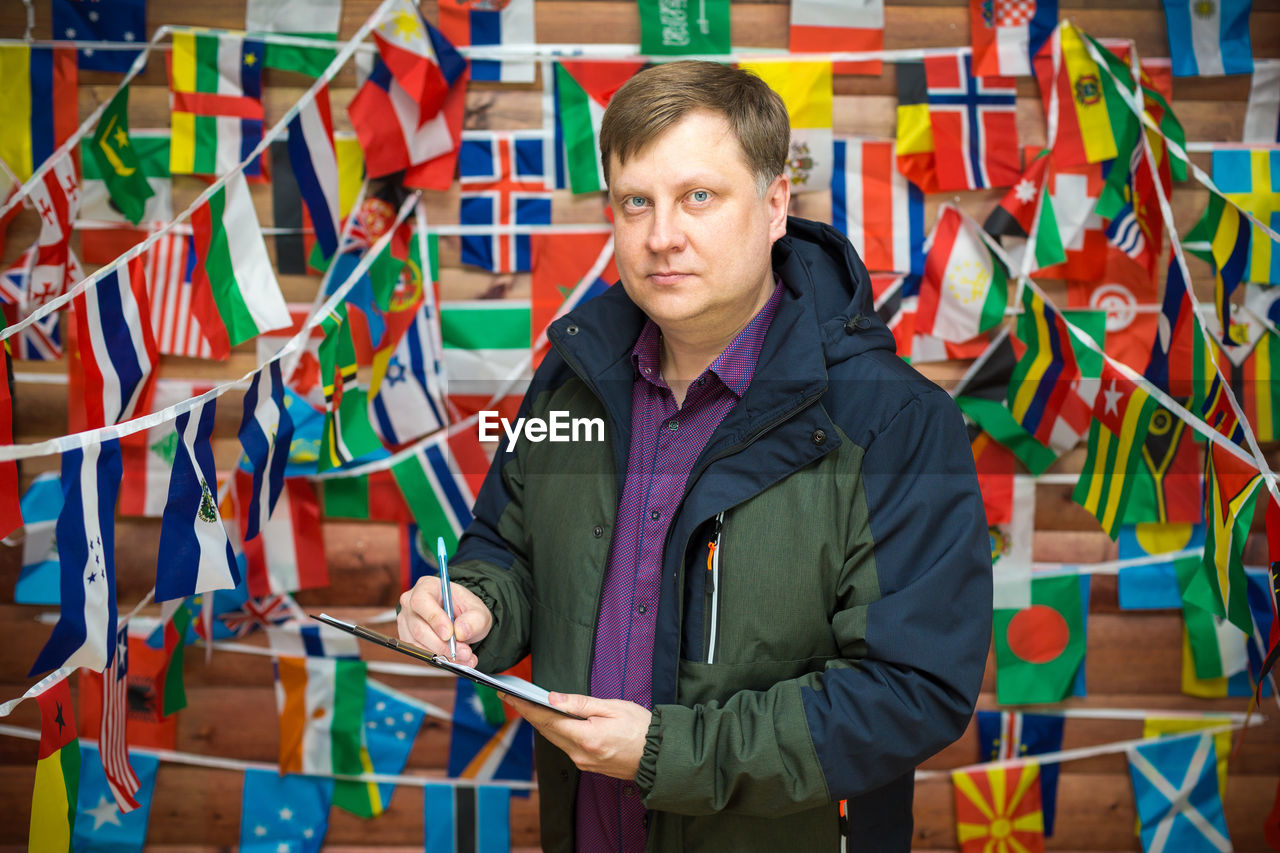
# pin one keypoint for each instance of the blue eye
(635, 201)
(700, 196)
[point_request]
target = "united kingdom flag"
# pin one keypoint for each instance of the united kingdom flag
(974, 122)
(504, 184)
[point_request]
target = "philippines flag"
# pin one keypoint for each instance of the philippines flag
(466, 23)
(422, 61)
(121, 779)
(195, 554)
(974, 122)
(265, 434)
(315, 168)
(86, 537)
(393, 130)
(504, 183)
(117, 350)
(288, 554)
(410, 400)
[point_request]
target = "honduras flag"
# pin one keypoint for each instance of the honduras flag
(85, 633)
(195, 554)
(315, 168)
(265, 434)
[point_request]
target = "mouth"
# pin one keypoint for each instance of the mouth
(667, 277)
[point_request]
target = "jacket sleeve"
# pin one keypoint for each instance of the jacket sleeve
(913, 624)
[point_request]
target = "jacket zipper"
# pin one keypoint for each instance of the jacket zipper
(711, 608)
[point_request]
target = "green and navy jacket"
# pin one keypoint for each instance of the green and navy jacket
(851, 595)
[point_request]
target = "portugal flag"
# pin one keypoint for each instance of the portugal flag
(998, 810)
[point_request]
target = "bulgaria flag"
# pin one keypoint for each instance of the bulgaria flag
(963, 292)
(583, 90)
(236, 294)
(440, 481)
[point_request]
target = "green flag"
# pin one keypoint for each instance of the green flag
(1039, 649)
(347, 433)
(117, 162)
(674, 27)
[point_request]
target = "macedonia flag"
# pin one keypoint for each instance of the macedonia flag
(998, 810)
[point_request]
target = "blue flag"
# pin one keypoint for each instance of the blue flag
(1012, 734)
(484, 743)
(267, 426)
(1241, 684)
(41, 503)
(504, 184)
(410, 399)
(123, 21)
(86, 530)
(391, 723)
(466, 820)
(1153, 586)
(283, 813)
(99, 822)
(1192, 819)
(1209, 39)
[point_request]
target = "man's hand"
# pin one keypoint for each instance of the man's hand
(610, 741)
(421, 619)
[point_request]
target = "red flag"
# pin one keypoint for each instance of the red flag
(996, 469)
(57, 718)
(146, 726)
(560, 263)
(288, 555)
(121, 779)
(437, 173)
(10, 510)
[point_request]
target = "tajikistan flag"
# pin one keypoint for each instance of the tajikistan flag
(963, 292)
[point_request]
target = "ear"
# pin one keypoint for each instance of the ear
(778, 198)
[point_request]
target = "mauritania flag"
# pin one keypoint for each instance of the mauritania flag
(1209, 38)
(265, 434)
(117, 350)
(462, 817)
(1122, 413)
(963, 292)
(236, 295)
(582, 91)
(53, 801)
(315, 168)
(195, 554)
(84, 635)
(439, 481)
(215, 84)
(320, 686)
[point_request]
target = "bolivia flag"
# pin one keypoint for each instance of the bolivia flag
(53, 802)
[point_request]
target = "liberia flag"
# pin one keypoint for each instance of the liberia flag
(121, 779)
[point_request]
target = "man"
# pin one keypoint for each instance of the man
(769, 588)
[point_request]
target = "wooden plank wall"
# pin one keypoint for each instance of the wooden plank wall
(1133, 658)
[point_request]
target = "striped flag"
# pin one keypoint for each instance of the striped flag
(195, 554)
(474, 25)
(582, 91)
(467, 819)
(486, 351)
(1250, 179)
(215, 84)
(170, 263)
(53, 799)
(236, 295)
(440, 480)
(117, 350)
(121, 779)
(86, 552)
(487, 742)
(40, 109)
(1209, 39)
(1007, 33)
(410, 400)
(1081, 101)
(1262, 115)
(1045, 391)
(174, 635)
(288, 554)
(314, 162)
(42, 340)
(1004, 735)
(1122, 413)
(149, 455)
(964, 290)
(422, 61)
(391, 723)
(393, 132)
(879, 210)
(828, 26)
(266, 431)
(347, 434)
(974, 123)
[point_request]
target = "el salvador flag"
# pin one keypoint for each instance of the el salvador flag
(85, 633)
(195, 554)
(117, 347)
(315, 168)
(265, 434)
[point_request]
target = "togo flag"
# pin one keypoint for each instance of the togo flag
(195, 554)
(236, 295)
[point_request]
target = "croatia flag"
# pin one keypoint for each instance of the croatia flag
(315, 168)
(1007, 33)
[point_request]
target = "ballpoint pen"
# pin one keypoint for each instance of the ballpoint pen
(446, 600)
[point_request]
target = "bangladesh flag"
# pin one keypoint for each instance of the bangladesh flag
(1040, 649)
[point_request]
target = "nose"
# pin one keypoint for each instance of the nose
(666, 232)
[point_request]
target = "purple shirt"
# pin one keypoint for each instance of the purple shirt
(666, 441)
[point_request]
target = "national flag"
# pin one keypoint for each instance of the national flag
(974, 124)
(149, 455)
(314, 165)
(1222, 239)
(10, 503)
(174, 629)
(964, 289)
(917, 160)
(1081, 101)
(1040, 649)
(1179, 363)
(288, 555)
(56, 198)
(1176, 795)
(366, 497)
(391, 723)
(105, 232)
(316, 19)
(237, 615)
(830, 26)
(1011, 548)
(1217, 412)
(417, 556)
(1131, 330)
(410, 401)
(437, 172)
(1249, 179)
(1272, 644)
(1073, 192)
(41, 110)
(117, 350)
(485, 741)
(1216, 648)
(503, 183)
(439, 481)
(805, 88)
(422, 61)
(1209, 39)
(41, 503)
(294, 237)
(1121, 415)
(121, 21)
(289, 812)
(195, 553)
(348, 434)
(117, 162)
(672, 29)
(562, 263)
(995, 467)
(304, 380)
(582, 91)
(999, 810)
(1011, 221)
(1230, 494)
(393, 131)
(1007, 33)
(1004, 735)
(121, 779)
(1154, 586)
(86, 530)
(100, 825)
(235, 294)
(147, 726)
(1255, 380)
(266, 431)
(879, 210)
(1045, 394)
(170, 265)
(1262, 115)
(42, 340)
(53, 800)
(486, 351)
(462, 817)
(468, 24)
(320, 698)
(215, 84)
(1163, 727)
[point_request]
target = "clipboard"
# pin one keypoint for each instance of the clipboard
(511, 684)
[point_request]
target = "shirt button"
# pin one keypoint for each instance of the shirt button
(642, 609)
(629, 790)
(597, 531)
(673, 425)
(702, 381)
(648, 370)
(655, 515)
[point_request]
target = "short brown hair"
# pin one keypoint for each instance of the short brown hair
(659, 97)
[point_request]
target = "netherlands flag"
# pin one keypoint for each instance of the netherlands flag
(195, 554)
(265, 434)
(117, 347)
(315, 168)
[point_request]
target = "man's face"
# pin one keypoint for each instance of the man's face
(692, 235)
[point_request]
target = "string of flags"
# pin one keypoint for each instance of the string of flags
(372, 389)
